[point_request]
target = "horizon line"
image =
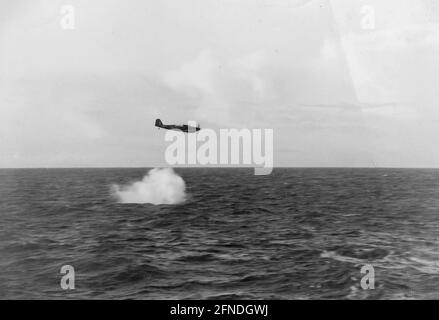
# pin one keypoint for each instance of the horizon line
(219, 167)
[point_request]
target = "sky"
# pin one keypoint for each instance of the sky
(342, 83)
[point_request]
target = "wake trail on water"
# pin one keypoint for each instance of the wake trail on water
(159, 186)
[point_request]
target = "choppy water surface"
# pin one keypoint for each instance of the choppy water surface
(294, 234)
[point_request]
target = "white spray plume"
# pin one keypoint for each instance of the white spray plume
(159, 186)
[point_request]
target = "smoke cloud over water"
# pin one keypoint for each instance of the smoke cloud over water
(159, 186)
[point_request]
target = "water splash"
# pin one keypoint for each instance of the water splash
(159, 186)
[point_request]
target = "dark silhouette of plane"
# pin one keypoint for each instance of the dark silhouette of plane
(184, 127)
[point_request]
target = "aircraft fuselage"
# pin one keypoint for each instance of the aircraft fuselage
(183, 128)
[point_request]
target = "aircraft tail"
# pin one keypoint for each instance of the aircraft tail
(158, 123)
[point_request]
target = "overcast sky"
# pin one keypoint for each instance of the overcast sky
(336, 91)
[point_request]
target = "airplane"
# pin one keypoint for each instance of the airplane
(184, 127)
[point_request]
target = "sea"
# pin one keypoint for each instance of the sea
(298, 233)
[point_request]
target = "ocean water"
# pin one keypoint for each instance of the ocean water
(294, 234)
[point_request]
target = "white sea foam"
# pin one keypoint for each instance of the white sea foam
(159, 186)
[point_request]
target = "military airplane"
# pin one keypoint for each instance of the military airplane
(184, 127)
